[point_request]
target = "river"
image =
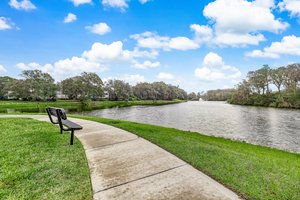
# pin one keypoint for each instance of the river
(278, 128)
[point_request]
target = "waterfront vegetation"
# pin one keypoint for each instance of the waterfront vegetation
(75, 105)
(39, 86)
(254, 172)
(38, 163)
(256, 89)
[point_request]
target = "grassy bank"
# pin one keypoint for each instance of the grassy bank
(37, 162)
(35, 106)
(254, 172)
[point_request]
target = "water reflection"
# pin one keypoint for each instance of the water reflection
(278, 128)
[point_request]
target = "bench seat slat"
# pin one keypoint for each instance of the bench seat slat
(71, 125)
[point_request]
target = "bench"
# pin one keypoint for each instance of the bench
(62, 120)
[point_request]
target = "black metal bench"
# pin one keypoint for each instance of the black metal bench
(62, 121)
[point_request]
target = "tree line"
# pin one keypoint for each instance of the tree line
(257, 88)
(37, 85)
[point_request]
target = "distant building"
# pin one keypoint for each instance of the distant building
(105, 95)
(60, 95)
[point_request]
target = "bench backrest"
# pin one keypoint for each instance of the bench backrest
(58, 113)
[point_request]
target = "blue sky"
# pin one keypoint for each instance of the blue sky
(196, 44)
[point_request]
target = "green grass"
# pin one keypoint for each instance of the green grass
(254, 172)
(37, 162)
(39, 106)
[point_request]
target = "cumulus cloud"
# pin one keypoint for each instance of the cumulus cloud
(70, 18)
(292, 6)
(66, 67)
(22, 5)
(2, 69)
(105, 52)
(100, 28)
(152, 40)
(182, 43)
(120, 4)
(79, 2)
(146, 65)
(115, 52)
(97, 59)
(165, 76)
(5, 24)
(239, 26)
(289, 45)
(133, 79)
(29, 66)
(214, 69)
(203, 34)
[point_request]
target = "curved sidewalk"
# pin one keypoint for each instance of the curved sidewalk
(124, 166)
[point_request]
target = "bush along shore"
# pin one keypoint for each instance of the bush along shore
(254, 172)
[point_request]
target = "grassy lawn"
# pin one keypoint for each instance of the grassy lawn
(254, 172)
(36, 106)
(37, 162)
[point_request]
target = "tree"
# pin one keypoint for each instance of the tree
(5, 85)
(292, 76)
(144, 91)
(260, 79)
(72, 87)
(86, 86)
(192, 96)
(242, 93)
(36, 85)
(277, 77)
(161, 90)
(92, 85)
(219, 94)
(118, 90)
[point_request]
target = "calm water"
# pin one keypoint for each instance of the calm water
(279, 128)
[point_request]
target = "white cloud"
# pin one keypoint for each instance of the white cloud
(121, 4)
(152, 40)
(65, 68)
(146, 64)
(104, 52)
(2, 69)
(115, 52)
(242, 21)
(214, 69)
(5, 24)
(79, 2)
(133, 79)
(292, 6)
(261, 54)
(75, 65)
(29, 66)
(100, 28)
(289, 45)
(137, 53)
(22, 5)
(165, 76)
(70, 18)
(97, 59)
(182, 43)
(144, 1)
(203, 34)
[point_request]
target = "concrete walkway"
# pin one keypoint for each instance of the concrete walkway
(124, 166)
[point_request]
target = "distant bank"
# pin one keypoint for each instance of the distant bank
(72, 105)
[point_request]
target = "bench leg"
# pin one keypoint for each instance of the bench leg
(61, 131)
(72, 137)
